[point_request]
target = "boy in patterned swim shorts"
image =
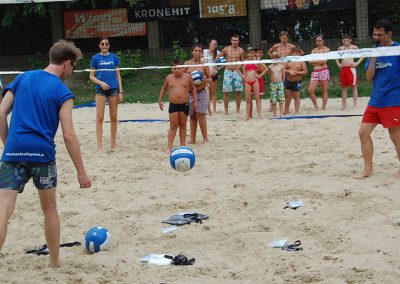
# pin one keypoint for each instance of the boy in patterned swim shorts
(277, 77)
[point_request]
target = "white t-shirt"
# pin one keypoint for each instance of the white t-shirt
(209, 58)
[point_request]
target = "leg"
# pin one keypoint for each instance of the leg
(355, 96)
(311, 91)
(209, 100)
(247, 90)
(213, 90)
(281, 109)
(201, 118)
(288, 99)
(344, 98)
(324, 87)
(226, 102)
(256, 90)
(296, 96)
(367, 146)
(7, 204)
(273, 109)
(238, 101)
(100, 106)
(51, 224)
(395, 137)
(193, 128)
(182, 127)
(173, 127)
(113, 108)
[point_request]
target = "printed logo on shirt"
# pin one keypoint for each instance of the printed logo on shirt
(381, 65)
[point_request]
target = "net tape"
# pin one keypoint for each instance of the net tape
(342, 54)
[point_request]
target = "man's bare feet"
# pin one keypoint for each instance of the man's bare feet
(192, 142)
(205, 141)
(343, 108)
(168, 151)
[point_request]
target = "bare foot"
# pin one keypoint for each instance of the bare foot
(192, 142)
(168, 151)
(367, 173)
(397, 175)
(343, 108)
(226, 113)
(55, 264)
(205, 141)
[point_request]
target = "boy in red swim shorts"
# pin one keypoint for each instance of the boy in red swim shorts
(348, 73)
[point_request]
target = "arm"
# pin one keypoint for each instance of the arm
(265, 70)
(194, 93)
(5, 109)
(93, 78)
(370, 73)
(120, 90)
(162, 93)
(271, 50)
(72, 143)
(283, 73)
(222, 53)
(358, 61)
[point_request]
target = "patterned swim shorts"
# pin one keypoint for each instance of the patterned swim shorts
(320, 75)
(202, 102)
(277, 92)
(232, 82)
(14, 175)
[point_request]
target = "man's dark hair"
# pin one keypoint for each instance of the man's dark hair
(176, 61)
(284, 33)
(383, 24)
(346, 36)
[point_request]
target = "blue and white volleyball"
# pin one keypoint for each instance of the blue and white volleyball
(197, 77)
(182, 159)
(97, 239)
(221, 59)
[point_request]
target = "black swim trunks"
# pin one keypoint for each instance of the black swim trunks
(293, 86)
(179, 107)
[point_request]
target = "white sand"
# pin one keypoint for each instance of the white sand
(349, 228)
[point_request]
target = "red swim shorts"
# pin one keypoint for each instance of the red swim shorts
(389, 116)
(348, 77)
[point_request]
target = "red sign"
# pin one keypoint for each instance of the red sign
(100, 23)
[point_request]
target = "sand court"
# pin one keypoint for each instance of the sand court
(242, 180)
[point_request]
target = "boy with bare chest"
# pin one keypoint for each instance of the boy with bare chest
(178, 84)
(295, 72)
(277, 76)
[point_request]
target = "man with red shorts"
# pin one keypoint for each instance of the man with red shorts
(384, 104)
(348, 73)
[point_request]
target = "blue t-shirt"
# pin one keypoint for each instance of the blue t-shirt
(38, 97)
(386, 82)
(109, 61)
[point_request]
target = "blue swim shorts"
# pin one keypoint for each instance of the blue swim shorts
(14, 175)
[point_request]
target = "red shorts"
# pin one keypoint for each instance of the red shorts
(262, 87)
(389, 116)
(348, 77)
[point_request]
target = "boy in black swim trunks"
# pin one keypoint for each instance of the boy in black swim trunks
(295, 72)
(178, 84)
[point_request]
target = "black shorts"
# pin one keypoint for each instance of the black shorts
(293, 86)
(107, 93)
(214, 77)
(179, 107)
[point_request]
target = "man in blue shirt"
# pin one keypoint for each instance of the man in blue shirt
(384, 105)
(39, 100)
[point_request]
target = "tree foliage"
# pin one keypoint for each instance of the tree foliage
(45, 9)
